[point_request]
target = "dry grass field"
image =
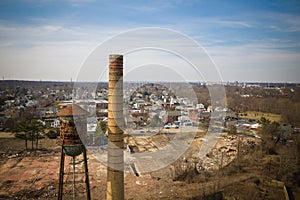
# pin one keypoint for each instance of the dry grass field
(258, 115)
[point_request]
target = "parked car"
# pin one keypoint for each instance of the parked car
(175, 126)
(167, 126)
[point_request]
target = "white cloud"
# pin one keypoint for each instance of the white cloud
(57, 51)
(231, 23)
(51, 52)
(293, 24)
(52, 28)
(256, 62)
(282, 22)
(143, 9)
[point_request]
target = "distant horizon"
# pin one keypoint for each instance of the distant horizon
(194, 82)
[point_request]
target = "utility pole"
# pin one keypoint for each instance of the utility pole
(115, 157)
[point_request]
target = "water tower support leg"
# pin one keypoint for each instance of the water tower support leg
(87, 182)
(61, 175)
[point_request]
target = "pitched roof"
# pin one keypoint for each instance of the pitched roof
(72, 110)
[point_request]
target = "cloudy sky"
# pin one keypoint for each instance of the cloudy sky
(246, 40)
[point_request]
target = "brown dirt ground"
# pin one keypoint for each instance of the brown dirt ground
(34, 175)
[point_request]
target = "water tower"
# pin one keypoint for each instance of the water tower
(71, 143)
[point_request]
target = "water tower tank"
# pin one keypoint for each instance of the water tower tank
(69, 137)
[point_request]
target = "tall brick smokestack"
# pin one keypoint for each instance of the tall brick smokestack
(115, 172)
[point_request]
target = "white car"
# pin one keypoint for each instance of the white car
(175, 126)
(167, 126)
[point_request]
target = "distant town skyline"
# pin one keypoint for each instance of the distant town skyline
(248, 41)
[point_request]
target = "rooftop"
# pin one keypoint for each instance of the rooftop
(72, 110)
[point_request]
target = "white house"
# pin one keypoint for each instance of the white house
(55, 123)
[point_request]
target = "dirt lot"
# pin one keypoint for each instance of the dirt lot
(34, 175)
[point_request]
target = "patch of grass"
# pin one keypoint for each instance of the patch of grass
(258, 115)
(6, 135)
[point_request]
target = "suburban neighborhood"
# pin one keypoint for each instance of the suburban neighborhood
(213, 139)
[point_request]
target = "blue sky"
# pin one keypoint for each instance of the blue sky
(247, 40)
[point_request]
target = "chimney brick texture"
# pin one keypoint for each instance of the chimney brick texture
(115, 160)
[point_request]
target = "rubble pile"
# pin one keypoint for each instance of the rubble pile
(224, 152)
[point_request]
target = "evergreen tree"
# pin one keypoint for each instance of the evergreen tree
(99, 135)
(29, 130)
